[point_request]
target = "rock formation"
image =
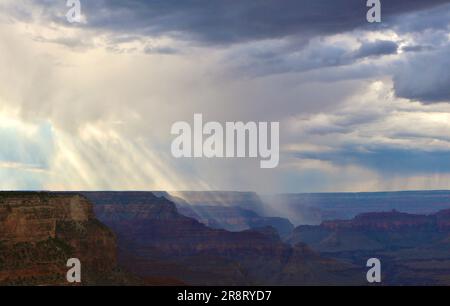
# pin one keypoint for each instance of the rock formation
(40, 231)
(156, 241)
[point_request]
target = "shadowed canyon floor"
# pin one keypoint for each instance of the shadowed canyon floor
(415, 249)
(155, 241)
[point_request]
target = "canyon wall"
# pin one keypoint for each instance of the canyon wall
(40, 231)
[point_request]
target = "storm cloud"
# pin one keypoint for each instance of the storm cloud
(425, 77)
(359, 104)
(224, 22)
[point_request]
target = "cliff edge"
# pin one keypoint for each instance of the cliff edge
(40, 231)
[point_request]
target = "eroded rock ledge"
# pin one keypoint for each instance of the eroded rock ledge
(40, 231)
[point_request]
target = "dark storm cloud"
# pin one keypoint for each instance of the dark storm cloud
(389, 160)
(431, 19)
(417, 48)
(160, 50)
(316, 55)
(425, 77)
(219, 21)
(377, 48)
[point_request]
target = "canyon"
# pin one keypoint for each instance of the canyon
(40, 231)
(156, 241)
(218, 238)
(414, 249)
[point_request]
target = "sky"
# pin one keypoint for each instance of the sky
(89, 106)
